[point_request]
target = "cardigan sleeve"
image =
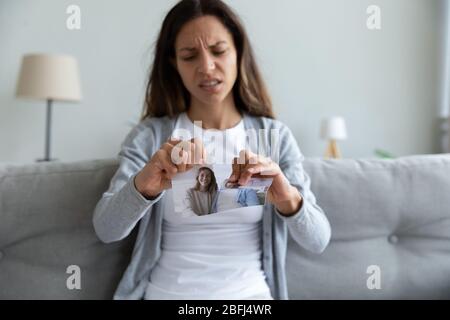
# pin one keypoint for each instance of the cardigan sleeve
(122, 205)
(309, 227)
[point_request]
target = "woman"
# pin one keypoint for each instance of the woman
(200, 199)
(204, 69)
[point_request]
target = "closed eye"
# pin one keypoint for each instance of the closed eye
(217, 53)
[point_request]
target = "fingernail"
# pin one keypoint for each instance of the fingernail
(251, 170)
(232, 177)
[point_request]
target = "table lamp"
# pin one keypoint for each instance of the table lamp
(333, 129)
(49, 77)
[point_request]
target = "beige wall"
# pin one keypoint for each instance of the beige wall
(318, 57)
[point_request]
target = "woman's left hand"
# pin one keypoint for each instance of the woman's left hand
(281, 193)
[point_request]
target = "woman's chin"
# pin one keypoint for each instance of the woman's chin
(211, 99)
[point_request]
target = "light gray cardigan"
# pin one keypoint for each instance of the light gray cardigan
(122, 207)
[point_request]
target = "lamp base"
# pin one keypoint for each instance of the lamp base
(46, 160)
(332, 151)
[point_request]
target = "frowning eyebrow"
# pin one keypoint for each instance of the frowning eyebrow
(193, 49)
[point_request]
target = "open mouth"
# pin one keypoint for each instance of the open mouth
(210, 84)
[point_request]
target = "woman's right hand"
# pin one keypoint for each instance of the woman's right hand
(173, 157)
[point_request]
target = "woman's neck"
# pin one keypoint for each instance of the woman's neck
(219, 116)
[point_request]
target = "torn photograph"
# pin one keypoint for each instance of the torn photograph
(206, 190)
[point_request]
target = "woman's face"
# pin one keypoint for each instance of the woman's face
(206, 59)
(204, 178)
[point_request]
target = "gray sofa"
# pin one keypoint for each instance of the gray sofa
(390, 231)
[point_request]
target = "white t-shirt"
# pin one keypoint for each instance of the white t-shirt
(215, 256)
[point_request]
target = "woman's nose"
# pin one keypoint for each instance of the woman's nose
(207, 64)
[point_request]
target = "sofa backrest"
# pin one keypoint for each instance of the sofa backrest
(390, 223)
(389, 218)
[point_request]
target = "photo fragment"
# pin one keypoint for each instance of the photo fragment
(206, 190)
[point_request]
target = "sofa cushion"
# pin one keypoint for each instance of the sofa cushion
(391, 214)
(46, 226)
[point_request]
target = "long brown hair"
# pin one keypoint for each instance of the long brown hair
(212, 184)
(166, 94)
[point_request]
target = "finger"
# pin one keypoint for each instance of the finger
(191, 150)
(173, 141)
(189, 162)
(238, 165)
(169, 168)
(249, 171)
(177, 155)
(176, 151)
(204, 159)
(166, 184)
(241, 171)
(260, 170)
(166, 164)
(185, 146)
(199, 151)
(246, 156)
(235, 171)
(243, 156)
(185, 157)
(265, 169)
(167, 147)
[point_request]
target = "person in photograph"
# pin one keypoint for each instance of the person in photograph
(230, 196)
(204, 69)
(201, 197)
(245, 197)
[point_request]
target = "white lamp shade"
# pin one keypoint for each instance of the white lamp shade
(54, 77)
(333, 129)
